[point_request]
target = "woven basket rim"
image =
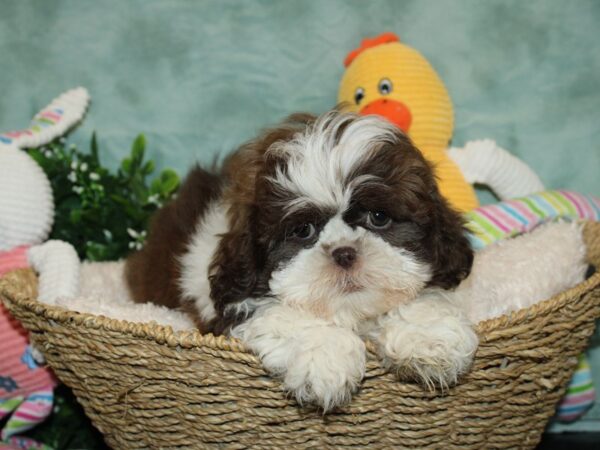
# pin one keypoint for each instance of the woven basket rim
(164, 334)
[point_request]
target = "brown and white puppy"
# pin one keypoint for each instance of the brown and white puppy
(317, 233)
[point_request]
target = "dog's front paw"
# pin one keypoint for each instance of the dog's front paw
(318, 362)
(430, 343)
(326, 367)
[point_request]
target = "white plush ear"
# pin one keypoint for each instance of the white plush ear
(51, 122)
(58, 267)
(26, 202)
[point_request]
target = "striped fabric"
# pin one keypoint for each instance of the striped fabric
(509, 218)
(23, 443)
(27, 413)
(580, 393)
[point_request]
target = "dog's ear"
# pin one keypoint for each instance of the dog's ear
(233, 270)
(450, 251)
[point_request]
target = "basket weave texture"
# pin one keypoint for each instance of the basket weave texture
(145, 386)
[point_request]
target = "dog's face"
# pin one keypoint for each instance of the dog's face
(342, 218)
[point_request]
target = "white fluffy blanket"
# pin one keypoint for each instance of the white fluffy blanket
(103, 291)
(506, 276)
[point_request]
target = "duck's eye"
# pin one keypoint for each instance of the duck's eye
(378, 220)
(385, 86)
(359, 94)
(304, 231)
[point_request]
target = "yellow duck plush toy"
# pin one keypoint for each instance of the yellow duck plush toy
(390, 79)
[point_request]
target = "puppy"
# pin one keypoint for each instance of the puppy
(318, 233)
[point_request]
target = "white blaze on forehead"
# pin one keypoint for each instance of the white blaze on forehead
(338, 233)
(319, 161)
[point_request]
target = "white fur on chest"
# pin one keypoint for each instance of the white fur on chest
(196, 260)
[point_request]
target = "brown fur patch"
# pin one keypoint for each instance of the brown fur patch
(239, 259)
(152, 274)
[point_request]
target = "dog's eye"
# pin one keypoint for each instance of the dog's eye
(359, 94)
(385, 86)
(304, 231)
(378, 220)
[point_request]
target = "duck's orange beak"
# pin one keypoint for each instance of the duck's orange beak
(393, 110)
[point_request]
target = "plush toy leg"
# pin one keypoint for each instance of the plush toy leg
(10, 404)
(580, 393)
(23, 443)
(29, 412)
(58, 266)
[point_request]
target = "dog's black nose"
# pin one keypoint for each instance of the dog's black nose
(344, 256)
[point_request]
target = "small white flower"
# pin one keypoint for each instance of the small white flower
(94, 176)
(78, 189)
(83, 167)
(107, 234)
(48, 154)
(138, 245)
(134, 234)
(74, 165)
(72, 177)
(131, 244)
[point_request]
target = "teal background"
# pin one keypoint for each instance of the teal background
(200, 77)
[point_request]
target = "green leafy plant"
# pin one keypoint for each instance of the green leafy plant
(103, 215)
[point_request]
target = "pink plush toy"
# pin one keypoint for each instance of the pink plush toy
(26, 217)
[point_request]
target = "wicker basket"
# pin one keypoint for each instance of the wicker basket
(145, 386)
